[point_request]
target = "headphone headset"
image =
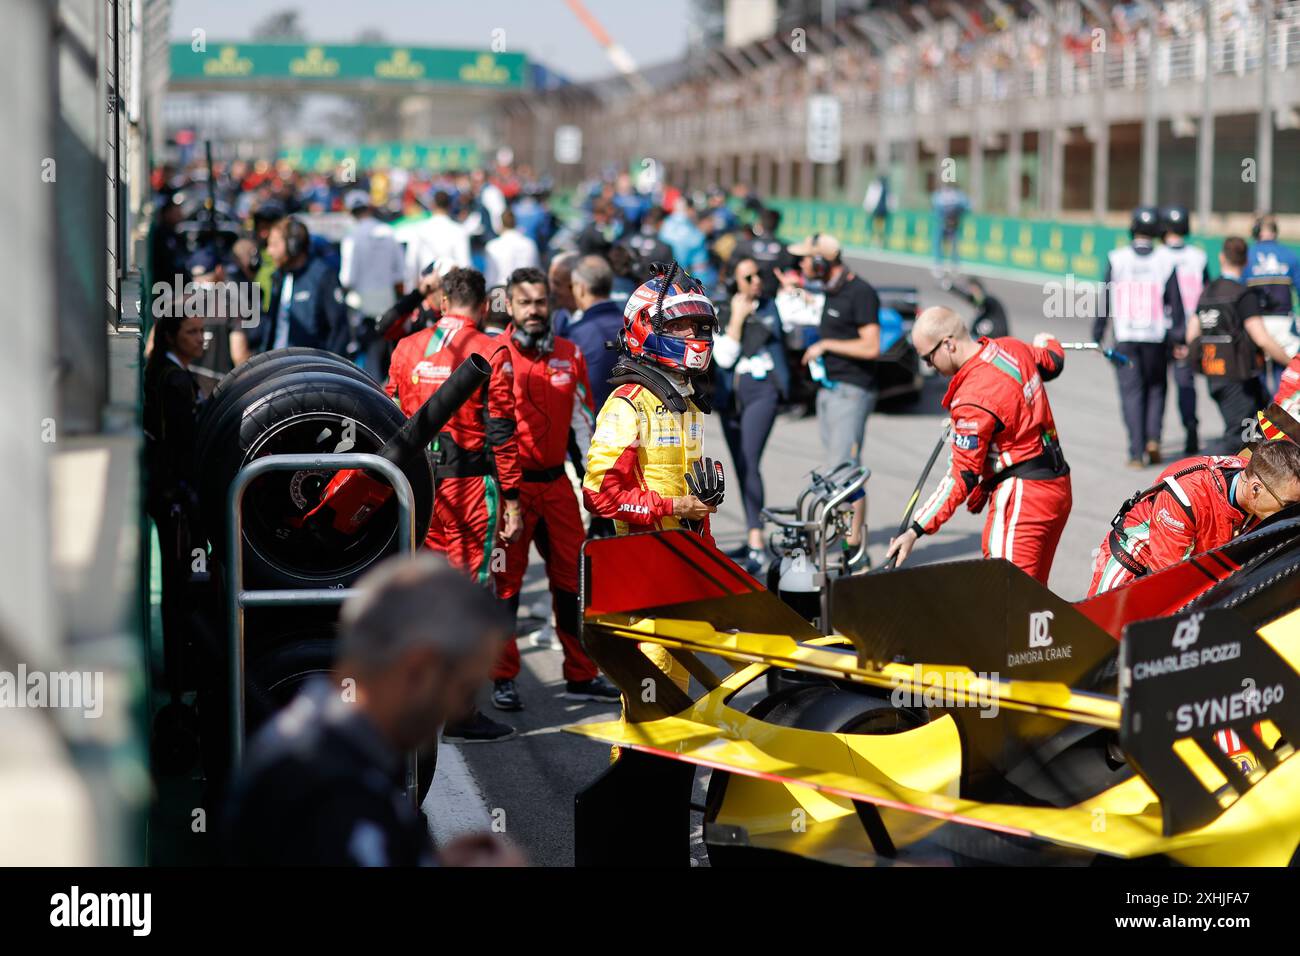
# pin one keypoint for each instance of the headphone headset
(297, 239)
(1258, 227)
(543, 343)
(821, 265)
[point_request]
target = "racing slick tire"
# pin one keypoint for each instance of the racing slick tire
(226, 400)
(308, 412)
(827, 707)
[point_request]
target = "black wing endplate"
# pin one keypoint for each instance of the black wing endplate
(1187, 682)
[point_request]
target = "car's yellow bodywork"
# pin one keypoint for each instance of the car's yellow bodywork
(797, 791)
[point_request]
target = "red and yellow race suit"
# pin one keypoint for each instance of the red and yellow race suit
(1004, 447)
(639, 457)
(640, 454)
(476, 453)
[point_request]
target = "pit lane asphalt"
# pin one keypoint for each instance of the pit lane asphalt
(533, 777)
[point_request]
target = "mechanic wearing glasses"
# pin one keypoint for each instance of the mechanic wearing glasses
(1004, 443)
(1198, 504)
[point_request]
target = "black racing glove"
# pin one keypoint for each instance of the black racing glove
(706, 481)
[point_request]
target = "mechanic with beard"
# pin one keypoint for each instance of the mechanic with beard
(1004, 442)
(476, 455)
(1198, 504)
(650, 431)
(553, 412)
(323, 784)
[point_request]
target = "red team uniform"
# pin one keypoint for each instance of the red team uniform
(552, 397)
(1190, 509)
(476, 455)
(1288, 388)
(1004, 447)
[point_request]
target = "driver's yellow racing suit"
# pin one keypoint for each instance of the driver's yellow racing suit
(640, 454)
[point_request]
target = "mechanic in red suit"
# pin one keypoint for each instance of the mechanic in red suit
(1197, 504)
(552, 403)
(476, 504)
(1288, 388)
(1004, 442)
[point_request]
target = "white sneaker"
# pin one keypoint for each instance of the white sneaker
(544, 637)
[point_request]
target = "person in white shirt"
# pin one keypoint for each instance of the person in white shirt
(509, 251)
(370, 259)
(438, 238)
(371, 268)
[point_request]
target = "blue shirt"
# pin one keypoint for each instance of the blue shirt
(598, 325)
(1272, 270)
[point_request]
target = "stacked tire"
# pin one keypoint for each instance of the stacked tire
(291, 401)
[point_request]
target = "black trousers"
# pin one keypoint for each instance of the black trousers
(746, 427)
(1185, 382)
(1238, 402)
(1143, 385)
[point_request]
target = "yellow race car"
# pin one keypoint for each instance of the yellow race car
(958, 713)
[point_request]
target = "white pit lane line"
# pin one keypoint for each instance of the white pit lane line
(454, 805)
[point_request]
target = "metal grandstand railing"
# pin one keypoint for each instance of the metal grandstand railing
(1012, 64)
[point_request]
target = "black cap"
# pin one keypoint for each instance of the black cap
(1176, 219)
(1145, 222)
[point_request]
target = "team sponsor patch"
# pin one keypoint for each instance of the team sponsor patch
(425, 372)
(966, 442)
(668, 439)
(966, 425)
(561, 378)
(1164, 517)
(695, 430)
(559, 363)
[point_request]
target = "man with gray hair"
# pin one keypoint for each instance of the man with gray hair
(1004, 443)
(323, 783)
(600, 322)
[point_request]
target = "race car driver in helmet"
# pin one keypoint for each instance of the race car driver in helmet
(1198, 504)
(650, 433)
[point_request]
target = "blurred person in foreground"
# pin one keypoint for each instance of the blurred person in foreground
(752, 379)
(1005, 450)
(324, 781)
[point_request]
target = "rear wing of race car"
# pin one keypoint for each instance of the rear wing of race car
(1210, 707)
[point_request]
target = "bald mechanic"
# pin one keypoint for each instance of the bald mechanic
(1004, 443)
